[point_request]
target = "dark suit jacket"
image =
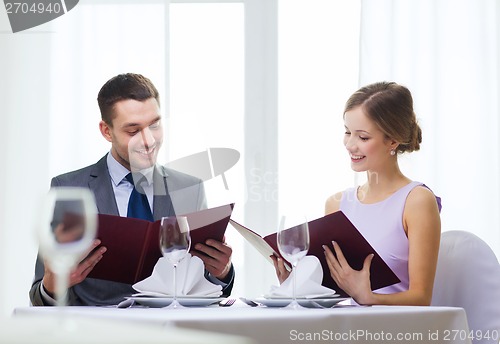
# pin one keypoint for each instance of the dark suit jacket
(174, 192)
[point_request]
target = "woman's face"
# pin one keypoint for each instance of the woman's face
(367, 145)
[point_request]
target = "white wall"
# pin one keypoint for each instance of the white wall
(24, 76)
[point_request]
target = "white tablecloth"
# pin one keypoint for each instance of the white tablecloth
(377, 324)
(52, 328)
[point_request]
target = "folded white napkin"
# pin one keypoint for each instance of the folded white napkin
(190, 280)
(308, 284)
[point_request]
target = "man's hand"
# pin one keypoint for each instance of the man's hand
(216, 257)
(91, 257)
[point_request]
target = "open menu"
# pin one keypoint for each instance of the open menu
(133, 245)
(322, 231)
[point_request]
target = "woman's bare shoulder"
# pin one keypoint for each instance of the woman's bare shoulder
(421, 196)
(421, 207)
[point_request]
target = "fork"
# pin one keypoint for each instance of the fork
(227, 302)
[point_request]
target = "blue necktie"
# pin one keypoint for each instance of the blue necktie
(138, 205)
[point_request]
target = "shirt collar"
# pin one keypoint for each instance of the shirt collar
(117, 171)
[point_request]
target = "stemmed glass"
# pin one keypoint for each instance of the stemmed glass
(293, 244)
(67, 227)
(175, 242)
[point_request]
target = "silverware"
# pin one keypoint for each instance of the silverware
(127, 303)
(249, 302)
(227, 302)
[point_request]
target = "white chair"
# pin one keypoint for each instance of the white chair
(468, 276)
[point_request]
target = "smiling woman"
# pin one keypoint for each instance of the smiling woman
(399, 217)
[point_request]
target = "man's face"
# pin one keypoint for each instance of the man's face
(136, 133)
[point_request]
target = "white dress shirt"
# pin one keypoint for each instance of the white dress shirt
(123, 188)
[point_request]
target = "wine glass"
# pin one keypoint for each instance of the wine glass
(175, 242)
(293, 244)
(67, 229)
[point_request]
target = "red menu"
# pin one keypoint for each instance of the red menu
(322, 231)
(133, 245)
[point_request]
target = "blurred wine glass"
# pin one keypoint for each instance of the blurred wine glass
(175, 242)
(293, 244)
(66, 230)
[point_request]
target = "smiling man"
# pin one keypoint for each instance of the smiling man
(131, 122)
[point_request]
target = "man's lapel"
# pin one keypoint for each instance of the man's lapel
(100, 184)
(162, 204)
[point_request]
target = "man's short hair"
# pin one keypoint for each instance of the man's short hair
(122, 87)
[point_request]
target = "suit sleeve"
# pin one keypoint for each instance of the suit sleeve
(35, 293)
(228, 286)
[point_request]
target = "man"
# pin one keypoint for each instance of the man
(131, 121)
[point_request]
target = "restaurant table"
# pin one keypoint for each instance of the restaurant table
(61, 328)
(354, 324)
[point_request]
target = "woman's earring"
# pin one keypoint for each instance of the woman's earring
(393, 152)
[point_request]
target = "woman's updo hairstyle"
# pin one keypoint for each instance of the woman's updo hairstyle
(390, 106)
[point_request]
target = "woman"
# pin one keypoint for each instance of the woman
(399, 217)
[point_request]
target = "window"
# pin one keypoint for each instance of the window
(216, 67)
(318, 70)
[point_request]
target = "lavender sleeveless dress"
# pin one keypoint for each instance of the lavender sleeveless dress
(381, 224)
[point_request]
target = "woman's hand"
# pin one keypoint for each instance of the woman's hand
(353, 282)
(281, 272)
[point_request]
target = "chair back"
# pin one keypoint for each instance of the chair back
(468, 276)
